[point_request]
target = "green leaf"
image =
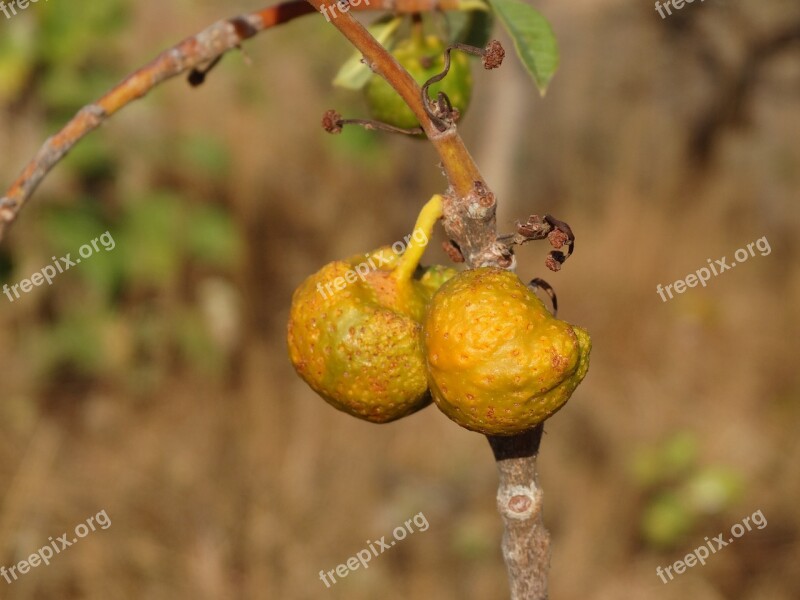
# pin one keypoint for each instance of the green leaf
(533, 39)
(354, 74)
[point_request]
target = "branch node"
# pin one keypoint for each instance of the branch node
(8, 209)
(244, 28)
(481, 202)
(197, 76)
(519, 502)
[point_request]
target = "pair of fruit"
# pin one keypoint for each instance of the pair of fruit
(380, 341)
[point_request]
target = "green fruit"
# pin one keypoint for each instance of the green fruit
(422, 57)
(355, 332)
(498, 361)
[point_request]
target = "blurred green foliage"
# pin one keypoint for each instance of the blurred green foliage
(125, 313)
(681, 492)
(73, 44)
(158, 238)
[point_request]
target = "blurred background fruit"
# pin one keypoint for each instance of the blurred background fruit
(423, 57)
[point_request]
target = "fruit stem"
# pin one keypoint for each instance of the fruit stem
(430, 213)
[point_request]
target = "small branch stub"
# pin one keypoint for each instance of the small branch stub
(333, 123)
(558, 233)
(453, 252)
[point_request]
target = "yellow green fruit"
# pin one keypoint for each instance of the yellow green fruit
(498, 361)
(422, 57)
(355, 332)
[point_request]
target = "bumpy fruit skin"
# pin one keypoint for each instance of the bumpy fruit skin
(498, 362)
(360, 347)
(422, 58)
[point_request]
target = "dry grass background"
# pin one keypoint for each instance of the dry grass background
(244, 484)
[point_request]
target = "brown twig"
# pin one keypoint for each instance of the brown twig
(332, 122)
(193, 53)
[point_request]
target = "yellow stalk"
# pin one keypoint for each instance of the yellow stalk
(430, 213)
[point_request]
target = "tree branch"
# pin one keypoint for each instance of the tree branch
(469, 208)
(193, 52)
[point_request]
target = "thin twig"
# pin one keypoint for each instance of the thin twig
(333, 123)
